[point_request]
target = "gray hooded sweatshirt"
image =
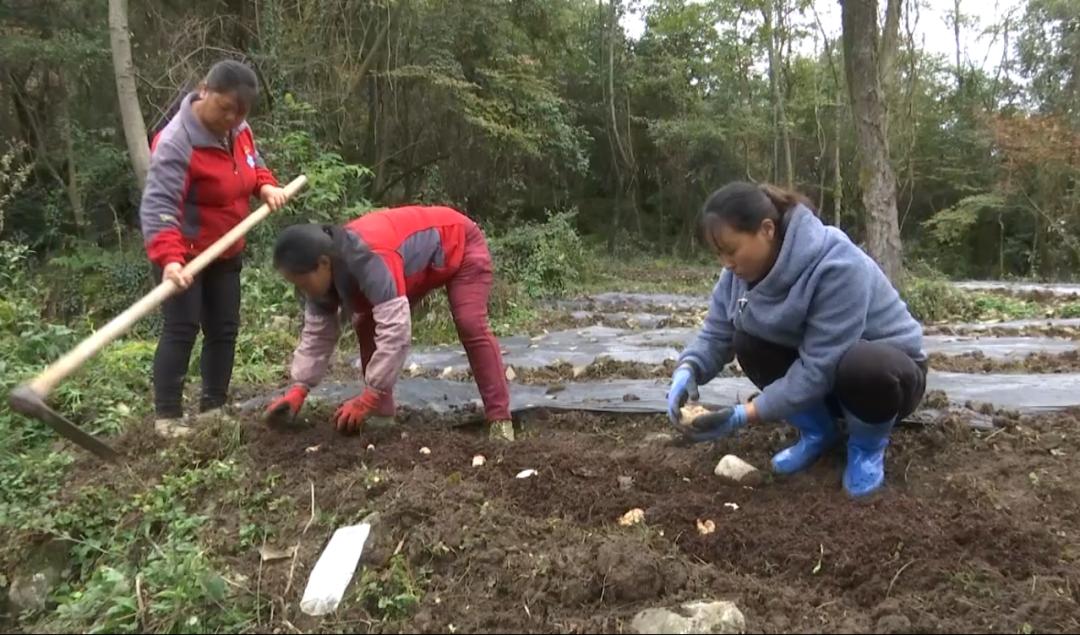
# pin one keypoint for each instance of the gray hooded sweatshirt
(822, 296)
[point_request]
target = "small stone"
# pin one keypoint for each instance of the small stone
(478, 460)
(625, 482)
(705, 527)
(632, 517)
(425, 451)
(893, 623)
(695, 617)
(526, 473)
(738, 471)
(689, 412)
(510, 374)
(630, 397)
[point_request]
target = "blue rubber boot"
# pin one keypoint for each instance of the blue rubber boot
(817, 434)
(865, 471)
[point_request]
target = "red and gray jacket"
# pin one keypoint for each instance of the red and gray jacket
(381, 262)
(197, 190)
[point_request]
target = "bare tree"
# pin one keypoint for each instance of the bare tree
(124, 69)
(876, 177)
(773, 15)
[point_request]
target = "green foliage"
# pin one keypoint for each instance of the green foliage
(543, 258)
(182, 588)
(93, 285)
(336, 188)
(392, 593)
(951, 226)
(934, 299)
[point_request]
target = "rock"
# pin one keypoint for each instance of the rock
(30, 589)
(692, 411)
(659, 437)
(632, 517)
(695, 617)
(736, 470)
(893, 623)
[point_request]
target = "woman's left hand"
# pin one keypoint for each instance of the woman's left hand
(273, 196)
(718, 424)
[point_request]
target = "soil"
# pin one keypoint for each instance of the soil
(978, 362)
(622, 318)
(1041, 330)
(975, 530)
(602, 368)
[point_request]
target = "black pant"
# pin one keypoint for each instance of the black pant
(212, 302)
(876, 382)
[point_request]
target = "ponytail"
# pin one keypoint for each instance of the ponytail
(745, 206)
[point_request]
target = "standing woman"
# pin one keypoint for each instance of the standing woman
(204, 168)
(815, 324)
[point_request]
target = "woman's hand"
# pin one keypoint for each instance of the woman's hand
(273, 196)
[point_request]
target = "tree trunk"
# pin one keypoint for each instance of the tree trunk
(876, 177)
(838, 188)
(956, 36)
(72, 177)
(783, 136)
(124, 69)
(890, 46)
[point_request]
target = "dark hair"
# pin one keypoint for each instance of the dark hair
(235, 78)
(299, 247)
(745, 206)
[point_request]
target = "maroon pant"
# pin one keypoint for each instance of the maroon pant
(468, 292)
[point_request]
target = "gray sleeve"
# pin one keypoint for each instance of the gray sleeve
(166, 187)
(711, 349)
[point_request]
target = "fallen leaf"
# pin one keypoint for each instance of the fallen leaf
(478, 460)
(526, 473)
(632, 517)
(425, 451)
(705, 527)
(269, 554)
(732, 506)
(510, 374)
(449, 370)
(314, 448)
(370, 447)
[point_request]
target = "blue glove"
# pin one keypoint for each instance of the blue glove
(683, 387)
(717, 424)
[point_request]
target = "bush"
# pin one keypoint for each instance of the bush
(542, 258)
(935, 299)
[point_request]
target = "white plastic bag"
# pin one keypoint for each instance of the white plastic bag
(334, 570)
